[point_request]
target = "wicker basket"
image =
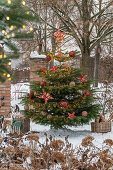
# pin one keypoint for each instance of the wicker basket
(102, 127)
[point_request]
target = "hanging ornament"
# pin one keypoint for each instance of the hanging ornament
(66, 64)
(43, 113)
(59, 35)
(64, 103)
(87, 93)
(43, 69)
(48, 58)
(71, 115)
(54, 69)
(49, 116)
(26, 107)
(31, 95)
(45, 96)
(72, 54)
(72, 83)
(84, 113)
(43, 83)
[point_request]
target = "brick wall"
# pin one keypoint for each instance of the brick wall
(5, 97)
(35, 64)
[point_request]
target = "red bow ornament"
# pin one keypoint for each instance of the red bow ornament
(59, 35)
(83, 78)
(71, 115)
(54, 68)
(45, 96)
(59, 54)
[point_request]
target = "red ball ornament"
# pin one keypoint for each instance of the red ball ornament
(64, 103)
(72, 83)
(84, 113)
(43, 83)
(26, 107)
(49, 116)
(87, 93)
(72, 54)
(42, 69)
(48, 58)
(43, 113)
(31, 95)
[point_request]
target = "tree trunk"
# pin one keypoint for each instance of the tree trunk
(86, 39)
(86, 62)
(97, 58)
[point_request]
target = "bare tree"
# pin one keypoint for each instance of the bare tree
(79, 18)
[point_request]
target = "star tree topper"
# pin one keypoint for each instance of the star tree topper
(59, 35)
(45, 96)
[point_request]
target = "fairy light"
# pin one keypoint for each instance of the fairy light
(9, 63)
(4, 74)
(11, 27)
(8, 36)
(23, 3)
(8, 75)
(5, 56)
(12, 34)
(3, 31)
(9, 78)
(27, 12)
(0, 56)
(7, 18)
(31, 29)
(9, 1)
(23, 26)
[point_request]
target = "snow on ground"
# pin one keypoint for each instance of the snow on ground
(76, 134)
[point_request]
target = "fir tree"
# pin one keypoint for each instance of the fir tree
(64, 97)
(14, 16)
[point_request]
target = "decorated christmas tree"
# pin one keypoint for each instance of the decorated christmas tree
(14, 19)
(64, 96)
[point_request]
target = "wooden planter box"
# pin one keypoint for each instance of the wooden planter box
(102, 127)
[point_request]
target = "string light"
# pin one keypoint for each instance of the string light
(4, 74)
(9, 1)
(5, 56)
(0, 56)
(3, 31)
(9, 63)
(11, 27)
(13, 34)
(7, 18)
(9, 78)
(8, 75)
(23, 3)
(23, 26)
(8, 36)
(31, 29)
(27, 12)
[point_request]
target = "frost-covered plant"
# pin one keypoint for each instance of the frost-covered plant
(105, 97)
(29, 153)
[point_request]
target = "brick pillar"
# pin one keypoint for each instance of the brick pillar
(5, 97)
(36, 64)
